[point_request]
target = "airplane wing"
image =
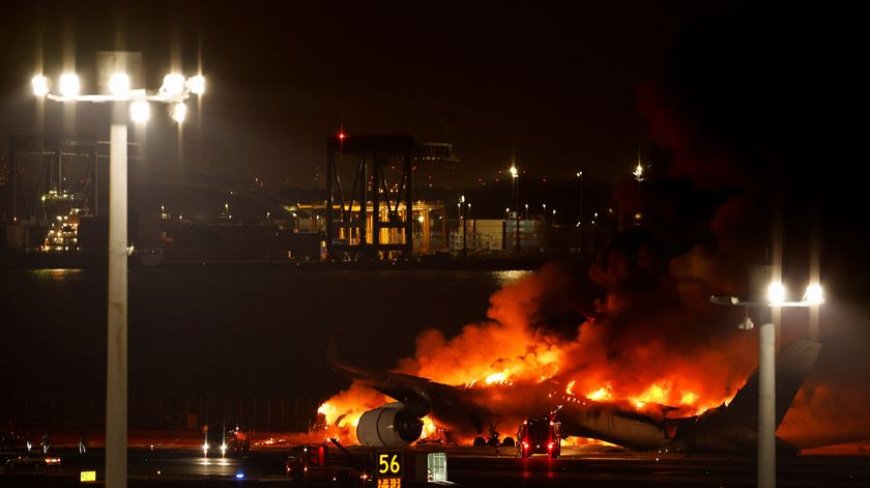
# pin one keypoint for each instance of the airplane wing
(412, 391)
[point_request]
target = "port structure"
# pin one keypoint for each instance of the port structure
(374, 217)
(39, 168)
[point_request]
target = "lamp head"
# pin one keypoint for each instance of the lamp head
(39, 83)
(776, 293)
(814, 294)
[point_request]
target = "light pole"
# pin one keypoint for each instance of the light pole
(580, 213)
(118, 90)
(515, 175)
(776, 300)
(638, 175)
(463, 214)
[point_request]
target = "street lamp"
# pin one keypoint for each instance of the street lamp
(638, 175)
(125, 99)
(515, 175)
(463, 215)
(777, 298)
(580, 213)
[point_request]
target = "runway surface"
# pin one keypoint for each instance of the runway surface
(466, 467)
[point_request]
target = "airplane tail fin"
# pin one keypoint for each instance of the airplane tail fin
(793, 364)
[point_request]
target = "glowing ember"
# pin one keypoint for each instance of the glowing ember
(600, 394)
(689, 398)
(569, 389)
(429, 428)
(326, 409)
(653, 394)
(500, 377)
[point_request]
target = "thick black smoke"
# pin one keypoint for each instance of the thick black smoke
(751, 115)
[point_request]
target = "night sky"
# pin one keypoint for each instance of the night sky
(722, 99)
(555, 82)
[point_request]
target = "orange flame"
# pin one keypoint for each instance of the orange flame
(600, 394)
(641, 370)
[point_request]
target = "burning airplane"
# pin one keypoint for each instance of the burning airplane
(469, 408)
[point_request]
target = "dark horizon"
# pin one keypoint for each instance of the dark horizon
(557, 86)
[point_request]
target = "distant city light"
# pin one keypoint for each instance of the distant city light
(514, 171)
(638, 172)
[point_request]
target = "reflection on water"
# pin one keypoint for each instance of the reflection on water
(56, 274)
(254, 331)
(504, 278)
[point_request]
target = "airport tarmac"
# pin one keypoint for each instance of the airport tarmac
(468, 467)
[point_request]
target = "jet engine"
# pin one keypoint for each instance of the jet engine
(390, 425)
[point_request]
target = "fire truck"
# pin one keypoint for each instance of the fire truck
(539, 436)
(236, 442)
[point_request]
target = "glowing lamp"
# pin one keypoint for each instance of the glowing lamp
(69, 84)
(513, 171)
(39, 83)
(814, 294)
(196, 84)
(178, 112)
(638, 171)
(173, 84)
(119, 84)
(140, 111)
(776, 293)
